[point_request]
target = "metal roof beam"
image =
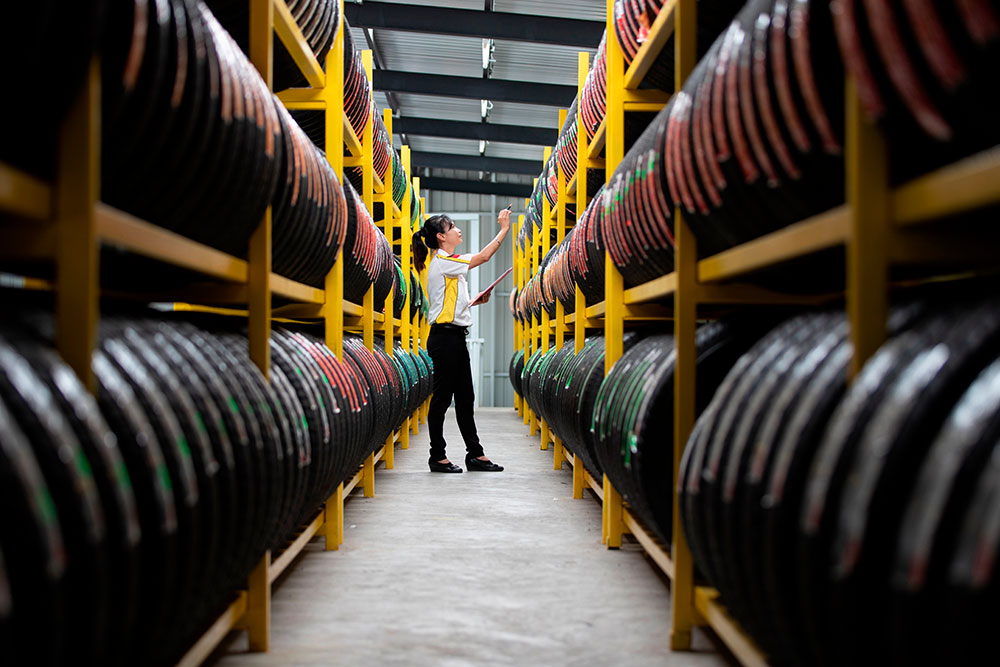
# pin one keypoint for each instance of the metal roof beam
(475, 163)
(498, 90)
(517, 190)
(511, 134)
(476, 23)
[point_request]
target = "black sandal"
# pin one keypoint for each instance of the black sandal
(478, 465)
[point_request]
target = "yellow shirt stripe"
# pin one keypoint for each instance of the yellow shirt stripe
(450, 299)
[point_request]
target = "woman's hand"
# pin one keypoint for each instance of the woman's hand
(484, 255)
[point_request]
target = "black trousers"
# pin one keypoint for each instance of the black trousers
(452, 377)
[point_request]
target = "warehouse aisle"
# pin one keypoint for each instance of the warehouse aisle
(472, 569)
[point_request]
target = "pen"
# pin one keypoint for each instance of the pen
(509, 206)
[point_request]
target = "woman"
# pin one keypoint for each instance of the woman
(450, 320)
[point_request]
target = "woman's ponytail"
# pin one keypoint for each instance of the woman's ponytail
(419, 250)
(427, 238)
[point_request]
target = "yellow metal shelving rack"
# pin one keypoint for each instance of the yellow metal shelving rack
(878, 227)
(65, 223)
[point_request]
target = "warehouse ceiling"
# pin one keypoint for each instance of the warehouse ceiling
(476, 85)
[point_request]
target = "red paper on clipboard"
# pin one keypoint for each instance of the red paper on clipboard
(479, 297)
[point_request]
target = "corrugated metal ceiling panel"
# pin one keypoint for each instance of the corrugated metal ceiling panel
(444, 145)
(448, 108)
(525, 115)
(515, 151)
(592, 10)
(452, 4)
(429, 53)
(539, 63)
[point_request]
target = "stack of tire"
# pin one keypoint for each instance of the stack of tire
(856, 524)
(562, 387)
(753, 141)
(317, 20)
(367, 253)
(132, 518)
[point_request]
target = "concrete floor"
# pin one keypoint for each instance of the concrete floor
(472, 569)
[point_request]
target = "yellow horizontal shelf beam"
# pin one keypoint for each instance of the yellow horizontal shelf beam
(597, 310)
(353, 309)
(290, 289)
(597, 145)
(294, 549)
(291, 36)
(647, 312)
(351, 139)
(659, 288)
(354, 481)
(820, 232)
(706, 601)
(740, 293)
(596, 485)
(24, 195)
(645, 107)
(135, 235)
(656, 550)
(10, 280)
(963, 186)
(657, 97)
(293, 96)
(353, 161)
(659, 33)
(204, 647)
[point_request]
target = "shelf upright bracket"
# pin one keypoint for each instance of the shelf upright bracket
(545, 325)
(77, 256)
(333, 94)
(333, 311)
(614, 292)
(405, 237)
(682, 618)
(557, 446)
(413, 227)
(867, 245)
(259, 253)
(257, 619)
(388, 322)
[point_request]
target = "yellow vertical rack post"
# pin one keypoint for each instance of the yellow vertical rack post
(557, 446)
(388, 226)
(580, 305)
(77, 259)
(516, 276)
(405, 234)
(415, 325)
(333, 310)
(425, 327)
(257, 620)
(544, 325)
(368, 307)
(614, 321)
(685, 371)
(535, 338)
(526, 323)
(522, 337)
(867, 243)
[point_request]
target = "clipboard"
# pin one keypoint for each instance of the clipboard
(485, 292)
